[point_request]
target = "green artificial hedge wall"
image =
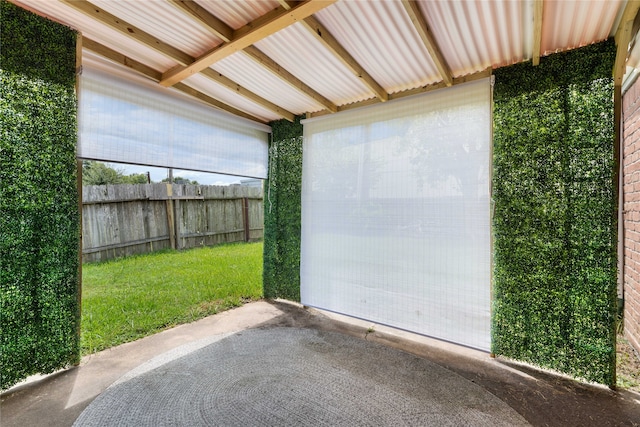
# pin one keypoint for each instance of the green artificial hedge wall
(554, 226)
(39, 216)
(283, 190)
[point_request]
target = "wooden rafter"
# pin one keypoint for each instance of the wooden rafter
(220, 27)
(421, 26)
(537, 30)
(623, 37)
(130, 30)
(155, 75)
(215, 25)
(251, 33)
(225, 32)
(176, 54)
(240, 90)
(214, 102)
(287, 4)
(121, 59)
(268, 63)
(258, 56)
(323, 35)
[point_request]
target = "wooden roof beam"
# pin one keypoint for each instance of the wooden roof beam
(121, 59)
(251, 33)
(225, 32)
(156, 75)
(421, 26)
(131, 31)
(323, 35)
(537, 30)
(623, 37)
(214, 102)
(287, 4)
(258, 56)
(175, 54)
(221, 29)
(215, 25)
(240, 90)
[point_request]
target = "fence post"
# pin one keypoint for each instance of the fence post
(245, 217)
(170, 220)
(178, 219)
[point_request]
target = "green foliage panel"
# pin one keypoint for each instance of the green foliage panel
(554, 226)
(283, 190)
(38, 196)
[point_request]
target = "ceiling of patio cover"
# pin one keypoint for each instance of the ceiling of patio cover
(262, 59)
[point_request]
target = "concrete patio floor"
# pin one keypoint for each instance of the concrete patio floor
(519, 392)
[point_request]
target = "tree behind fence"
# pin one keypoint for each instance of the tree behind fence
(122, 220)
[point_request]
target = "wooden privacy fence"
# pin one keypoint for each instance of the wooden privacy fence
(121, 220)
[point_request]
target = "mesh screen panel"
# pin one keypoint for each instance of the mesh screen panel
(123, 118)
(396, 214)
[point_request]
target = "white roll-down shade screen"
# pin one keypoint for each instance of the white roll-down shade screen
(123, 118)
(396, 214)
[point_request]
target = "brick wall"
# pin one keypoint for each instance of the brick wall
(631, 212)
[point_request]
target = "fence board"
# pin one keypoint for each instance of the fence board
(121, 220)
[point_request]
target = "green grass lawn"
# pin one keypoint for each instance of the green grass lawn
(130, 298)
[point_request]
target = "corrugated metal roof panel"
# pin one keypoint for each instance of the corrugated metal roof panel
(166, 22)
(475, 35)
(100, 33)
(238, 13)
(571, 24)
(380, 37)
(228, 96)
(260, 81)
(307, 59)
(472, 35)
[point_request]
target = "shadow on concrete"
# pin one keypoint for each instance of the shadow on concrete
(22, 404)
(542, 398)
(286, 376)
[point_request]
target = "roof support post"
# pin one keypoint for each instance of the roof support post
(538, 6)
(623, 37)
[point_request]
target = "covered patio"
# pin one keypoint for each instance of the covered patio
(453, 169)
